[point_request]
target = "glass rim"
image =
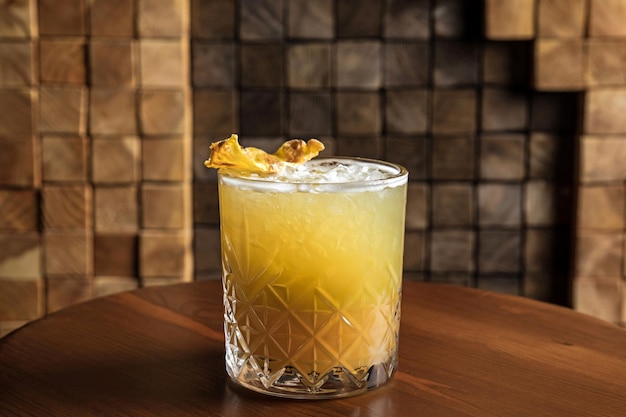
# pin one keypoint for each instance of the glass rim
(398, 175)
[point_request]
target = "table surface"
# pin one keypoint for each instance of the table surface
(463, 352)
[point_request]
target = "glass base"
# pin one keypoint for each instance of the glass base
(289, 383)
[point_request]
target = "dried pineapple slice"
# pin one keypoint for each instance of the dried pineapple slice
(228, 153)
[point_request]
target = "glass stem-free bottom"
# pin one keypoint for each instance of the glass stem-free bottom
(289, 382)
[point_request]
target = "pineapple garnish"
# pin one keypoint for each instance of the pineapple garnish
(228, 153)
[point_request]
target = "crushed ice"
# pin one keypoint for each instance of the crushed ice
(331, 172)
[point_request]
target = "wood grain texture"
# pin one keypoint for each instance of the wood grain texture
(463, 352)
(509, 19)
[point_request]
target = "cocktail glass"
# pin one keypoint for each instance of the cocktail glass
(312, 276)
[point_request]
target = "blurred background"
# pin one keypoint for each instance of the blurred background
(509, 116)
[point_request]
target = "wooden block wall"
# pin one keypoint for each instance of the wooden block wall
(417, 83)
(107, 108)
(95, 144)
(579, 46)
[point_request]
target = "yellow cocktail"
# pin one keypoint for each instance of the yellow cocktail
(312, 272)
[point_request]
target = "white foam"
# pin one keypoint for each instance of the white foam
(327, 175)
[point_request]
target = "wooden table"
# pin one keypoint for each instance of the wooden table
(463, 352)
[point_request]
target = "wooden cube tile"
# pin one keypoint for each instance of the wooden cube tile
(601, 207)
(417, 205)
(311, 19)
(200, 154)
(602, 158)
(163, 253)
(262, 65)
(452, 250)
(499, 204)
(552, 158)
(499, 251)
(164, 160)
(358, 64)
(406, 63)
(604, 111)
(64, 158)
(309, 65)
(63, 110)
(207, 276)
(540, 203)
(559, 65)
(17, 112)
(163, 206)
(409, 152)
(213, 19)
(215, 112)
(116, 255)
(62, 61)
(112, 63)
(504, 109)
(65, 17)
(544, 155)
(64, 291)
(20, 255)
(600, 297)
(160, 18)
(116, 209)
(503, 284)
(454, 278)
(556, 112)
(453, 158)
(112, 111)
(18, 19)
(511, 19)
(457, 19)
(261, 19)
(19, 162)
(453, 204)
(68, 252)
(365, 146)
(115, 160)
(361, 19)
(162, 112)
(456, 63)
(17, 65)
(21, 300)
(406, 19)
(310, 114)
(358, 113)
(19, 209)
(454, 111)
(205, 203)
(66, 206)
(599, 253)
(159, 281)
(161, 63)
(506, 63)
(414, 257)
(539, 251)
(112, 18)
(112, 285)
(606, 18)
(207, 249)
(539, 286)
(406, 111)
(213, 64)
(502, 156)
(605, 62)
(561, 18)
(262, 112)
